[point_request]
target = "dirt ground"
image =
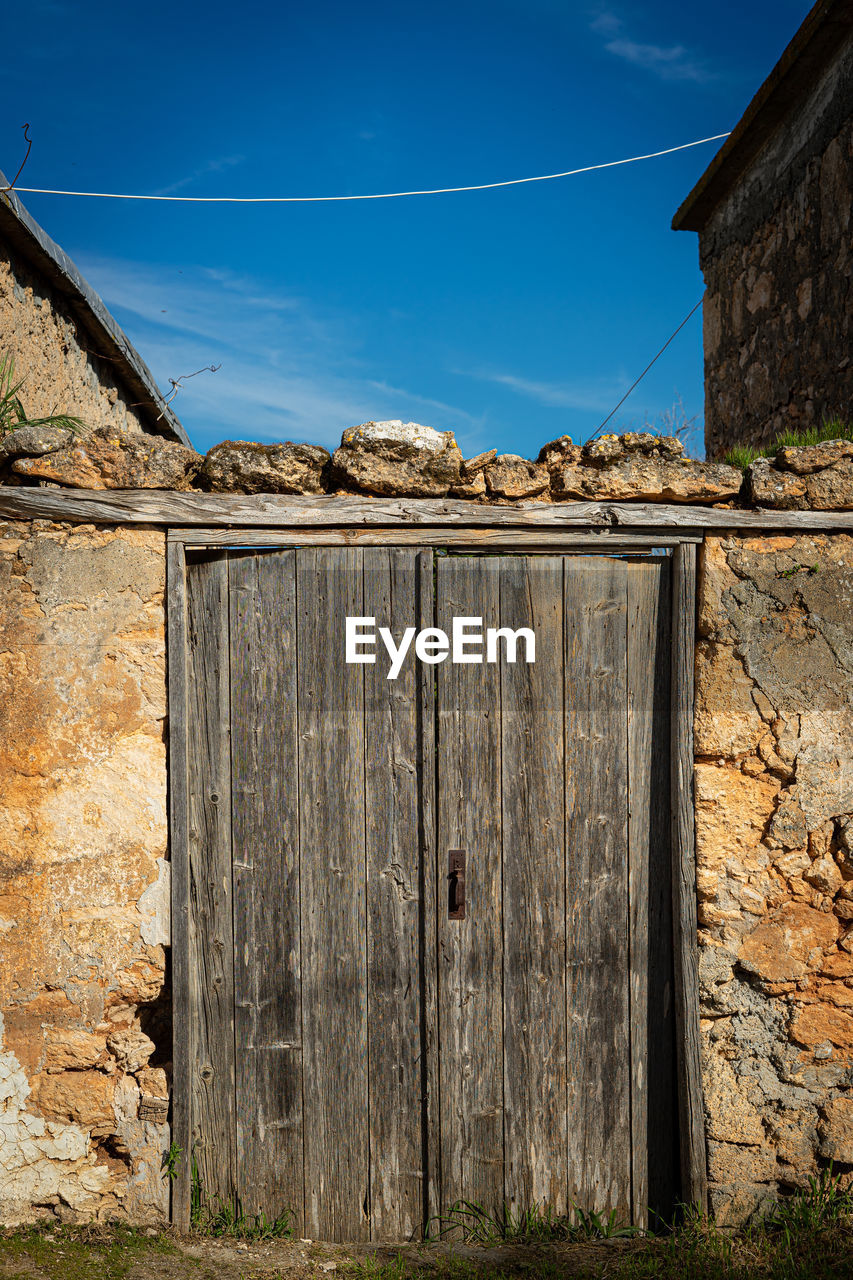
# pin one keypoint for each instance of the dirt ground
(99, 1254)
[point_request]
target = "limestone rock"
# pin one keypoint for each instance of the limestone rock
(84, 1098)
(237, 466)
(474, 488)
(570, 483)
(609, 449)
(836, 1130)
(736, 1204)
(832, 489)
(731, 813)
(788, 824)
(837, 965)
(32, 442)
(131, 1049)
(767, 487)
(810, 458)
(789, 944)
(152, 1080)
(815, 1023)
(824, 875)
(731, 1116)
(472, 483)
(794, 1137)
(726, 719)
(473, 466)
(560, 453)
(729, 1162)
(111, 458)
(71, 1049)
(512, 477)
(648, 478)
(397, 458)
(603, 451)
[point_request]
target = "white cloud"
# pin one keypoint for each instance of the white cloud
(668, 62)
(289, 370)
(606, 24)
(218, 165)
(593, 396)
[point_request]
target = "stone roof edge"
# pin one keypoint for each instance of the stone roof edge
(818, 39)
(25, 235)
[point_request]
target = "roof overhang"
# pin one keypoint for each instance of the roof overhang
(45, 256)
(825, 30)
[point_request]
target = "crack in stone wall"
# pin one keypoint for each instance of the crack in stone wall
(774, 797)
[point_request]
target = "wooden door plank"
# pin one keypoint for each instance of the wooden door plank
(694, 1177)
(393, 905)
(598, 1094)
(469, 809)
(653, 1087)
(182, 1019)
(333, 921)
(534, 932)
(211, 966)
(265, 843)
(431, 879)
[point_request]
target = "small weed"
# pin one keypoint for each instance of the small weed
(226, 1217)
(810, 569)
(536, 1224)
(12, 412)
(171, 1162)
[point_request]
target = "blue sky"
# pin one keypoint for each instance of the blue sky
(509, 316)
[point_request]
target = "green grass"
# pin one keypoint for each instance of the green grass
(808, 1236)
(741, 455)
(224, 1218)
(80, 1253)
(473, 1224)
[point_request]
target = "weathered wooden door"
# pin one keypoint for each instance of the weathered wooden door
(429, 938)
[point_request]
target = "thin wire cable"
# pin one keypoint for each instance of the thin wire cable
(384, 195)
(645, 371)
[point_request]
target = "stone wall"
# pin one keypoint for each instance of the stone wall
(63, 373)
(86, 1025)
(83, 889)
(774, 832)
(777, 257)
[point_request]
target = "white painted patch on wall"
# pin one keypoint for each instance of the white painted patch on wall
(155, 908)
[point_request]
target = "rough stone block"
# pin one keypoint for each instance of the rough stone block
(804, 460)
(789, 944)
(836, 1130)
(242, 467)
(515, 478)
(113, 458)
(397, 458)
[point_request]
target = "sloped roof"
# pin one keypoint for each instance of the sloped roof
(827, 27)
(35, 246)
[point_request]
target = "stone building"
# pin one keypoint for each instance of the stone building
(773, 212)
(66, 346)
